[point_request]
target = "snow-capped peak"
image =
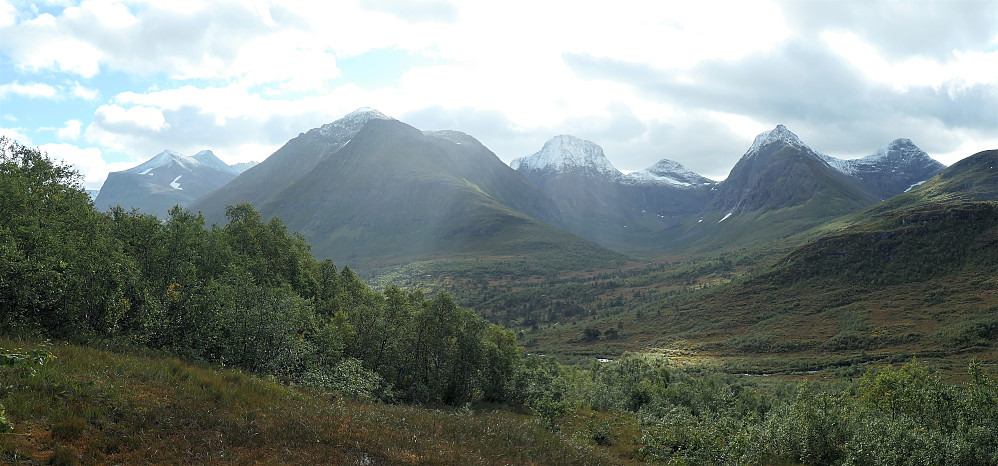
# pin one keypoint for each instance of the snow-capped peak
(208, 158)
(666, 172)
(351, 122)
(901, 149)
(780, 133)
(568, 153)
(167, 158)
(160, 160)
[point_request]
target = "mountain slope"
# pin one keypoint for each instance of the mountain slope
(164, 181)
(390, 194)
(265, 180)
(911, 276)
(778, 188)
(892, 169)
(781, 171)
(598, 202)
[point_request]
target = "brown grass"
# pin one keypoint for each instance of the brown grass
(94, 406)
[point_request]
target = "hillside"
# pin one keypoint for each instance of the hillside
(912, 276)
(96, 406)
(391, 195)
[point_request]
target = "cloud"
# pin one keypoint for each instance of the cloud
(415, 11)
(644, 79)
(87, 161)
(84, 93)
(71, 131)
(137, 119)
(33, 90)
(16, 134)
(832, 104)
(8, 14)
(900, 30)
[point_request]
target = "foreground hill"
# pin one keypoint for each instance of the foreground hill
(389, 194)
(166, 180)
(94, 406)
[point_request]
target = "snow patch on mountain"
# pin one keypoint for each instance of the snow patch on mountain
(163, 159)
(174, 184)
(914, 185)
(666, 172)
(780, 133)
(207, 158)
(844, 166)
(346, 127)
(340, 132)
(568, 154)
(898, 153)
(167, 159)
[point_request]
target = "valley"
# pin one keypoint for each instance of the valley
(470, 294)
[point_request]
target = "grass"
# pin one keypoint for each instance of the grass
(915, 284)
(98, 406)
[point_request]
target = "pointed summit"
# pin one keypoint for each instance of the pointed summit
(568, 154)
(162, 159)
(667, 172)
(351, 122)
(780, 133)
(208, 158)
(894, 168)
(900, 149)
(779, 171)
(166, 180)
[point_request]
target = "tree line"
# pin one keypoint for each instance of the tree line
(247, 294)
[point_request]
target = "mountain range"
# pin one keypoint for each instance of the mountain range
(166, 180)
(373, 191)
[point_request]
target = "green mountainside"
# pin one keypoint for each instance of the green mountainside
(911, 276)
(391, 195)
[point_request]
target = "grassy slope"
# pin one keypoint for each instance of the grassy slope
(99, 406)
(919, 283)
(913, 275)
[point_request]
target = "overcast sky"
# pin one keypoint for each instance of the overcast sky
(107, 84)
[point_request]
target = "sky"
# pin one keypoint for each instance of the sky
(105, 84)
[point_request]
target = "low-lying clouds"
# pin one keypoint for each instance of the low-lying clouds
(117, 82)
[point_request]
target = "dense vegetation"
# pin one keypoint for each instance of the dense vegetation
(297, 333)
(248, 294)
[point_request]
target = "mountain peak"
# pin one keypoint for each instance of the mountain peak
(352, 122)
(901, 149)
(667, 172)
(161, 159)
(780, 133)
(565, 153)
(208, 158)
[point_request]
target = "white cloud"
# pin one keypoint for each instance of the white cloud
(16, 134)
(248, 75)
(70, 131)
(87, 161)
(36, 90)
(84, 93)
(137, 118)
(8, 14)
(963, 70)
